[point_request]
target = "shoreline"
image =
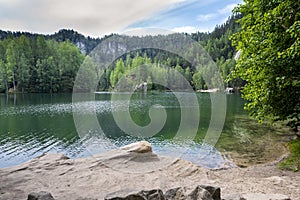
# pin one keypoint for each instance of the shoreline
(244, 162)
(122, 169)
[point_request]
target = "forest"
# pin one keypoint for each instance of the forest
(38, 65)
(49, 63)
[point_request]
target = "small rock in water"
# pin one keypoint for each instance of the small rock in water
(138, 147)
(40, 196)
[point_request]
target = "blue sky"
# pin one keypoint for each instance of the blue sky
(99, 17)
(190, 16)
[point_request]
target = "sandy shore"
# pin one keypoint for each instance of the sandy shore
(96, 176)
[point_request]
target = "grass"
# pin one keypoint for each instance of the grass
(292, 162)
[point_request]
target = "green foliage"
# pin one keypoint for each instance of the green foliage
(38, 65)
(188, 74)
(49, 63)
(85, 44)
(158, 73)
(270, 57)
(3, 76)
(221, 50)
(118, 72)
(293, 160)
(87, 77)
(198, 81)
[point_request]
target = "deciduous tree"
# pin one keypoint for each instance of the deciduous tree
(269, 41)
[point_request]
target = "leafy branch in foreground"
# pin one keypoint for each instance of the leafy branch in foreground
(269, 42)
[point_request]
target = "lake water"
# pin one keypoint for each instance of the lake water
(33, 124)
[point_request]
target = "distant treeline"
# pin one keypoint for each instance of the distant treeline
(85, 44)
(38, 65)
(49, 63)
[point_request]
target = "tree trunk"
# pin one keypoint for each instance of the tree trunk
(51, 86)
(6, 87)
(14, 82)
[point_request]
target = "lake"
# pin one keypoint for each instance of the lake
(33, 124)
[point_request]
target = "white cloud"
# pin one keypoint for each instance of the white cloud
(192, 29)
(206, 17)
(146, 31)
(91, 17)
(185, 29)
(227, 9)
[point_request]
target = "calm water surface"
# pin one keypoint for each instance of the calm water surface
(33, 124)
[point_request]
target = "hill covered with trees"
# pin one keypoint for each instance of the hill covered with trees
(217, 44)
(49, 63)
(85, 44)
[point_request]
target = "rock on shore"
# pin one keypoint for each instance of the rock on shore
(137, 168)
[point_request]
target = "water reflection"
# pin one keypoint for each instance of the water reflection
(32, 124)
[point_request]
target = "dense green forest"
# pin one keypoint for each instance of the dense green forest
(49, 63)
(217, 44)
(38, 65)
(269, 40)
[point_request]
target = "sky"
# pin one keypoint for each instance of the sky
(101, 17)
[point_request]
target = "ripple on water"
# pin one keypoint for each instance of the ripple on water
(200, 154)
(67, 108)
(18, 148)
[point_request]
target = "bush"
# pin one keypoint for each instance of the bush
(293, 160)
